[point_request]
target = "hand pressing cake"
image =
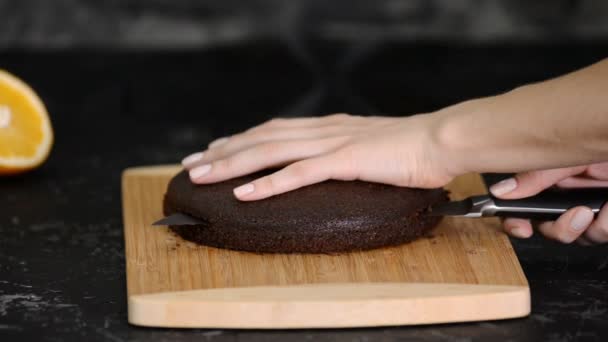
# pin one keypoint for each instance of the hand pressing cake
(329, 217)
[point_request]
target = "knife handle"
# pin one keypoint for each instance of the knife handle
(550, 204)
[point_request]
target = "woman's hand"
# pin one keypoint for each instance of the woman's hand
(577, 224)
(397, 151)
(557, 123)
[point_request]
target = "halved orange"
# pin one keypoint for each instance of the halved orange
(26, 135)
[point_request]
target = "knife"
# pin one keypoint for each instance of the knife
(546, 206)
(178, 219)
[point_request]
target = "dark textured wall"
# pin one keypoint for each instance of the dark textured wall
(195, 23)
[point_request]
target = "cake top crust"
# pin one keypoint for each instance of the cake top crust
(330, 205)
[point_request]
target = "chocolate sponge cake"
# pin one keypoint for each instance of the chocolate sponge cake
(333, 216)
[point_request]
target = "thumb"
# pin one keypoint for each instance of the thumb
(530, 183)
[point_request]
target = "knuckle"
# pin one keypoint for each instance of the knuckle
(217, 155)
(548, 230)
(534, 177)
(223, 164)
(244, 140)
(348, 152)
(253, 137)
(345, 163)
(268, 124)
(267, 149)
(274, 122)
(564, 234)
(267, 185)
(562, 231)
(338, 116)
(299, 169)
(223, 148)
(255, 128)
(211, 155)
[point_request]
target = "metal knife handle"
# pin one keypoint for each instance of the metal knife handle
(550, 204)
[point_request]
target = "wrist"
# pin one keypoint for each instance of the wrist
(459, 136)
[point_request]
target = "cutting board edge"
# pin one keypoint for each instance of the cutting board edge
(329, 305)
(143, 170)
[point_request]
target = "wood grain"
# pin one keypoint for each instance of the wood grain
(466, 271)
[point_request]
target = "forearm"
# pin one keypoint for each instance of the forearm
(556, 123)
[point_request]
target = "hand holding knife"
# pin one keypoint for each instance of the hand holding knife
(546, 206)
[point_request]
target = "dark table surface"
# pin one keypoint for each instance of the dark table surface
(62, 272)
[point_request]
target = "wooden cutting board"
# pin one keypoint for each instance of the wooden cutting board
(467, 271)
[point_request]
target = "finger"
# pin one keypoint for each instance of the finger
(275, 123)
(598, 230)
(192, 159)
(218, 142)
(294, 176)
(531, 183)
(582, 182)
(224, 147)
(260, 157)
(305, 122)
(519, 228)
(280, 129)
(245, 141)
(546, 228)
(569, 226)
(339, 119)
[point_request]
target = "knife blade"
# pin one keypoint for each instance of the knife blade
(547, 205)
(178, 219)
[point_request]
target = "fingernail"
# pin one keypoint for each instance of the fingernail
(244, 190)
(503, 187)
(519, 232)
(193, 158)
(200, 171)
(582, 219)
(218, 142)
